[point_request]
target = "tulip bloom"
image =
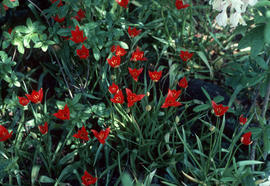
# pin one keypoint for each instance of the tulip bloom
(82, 134)
(102, 135)
(180, 5)
(135, 73)
(80, 15)
(35, 97)
(219, 110)
(114, 62)
(133, 32)
(77, 35)
(242, 120)
(245, 139)
(23, 101)
(4, 135)
(43, 129)
(185, 55)
(87, 179)
(83, 53)
(183, 83)
(133, 98)
(138, 55)
(119, 51)
(122, 3)
(155, 76)
(59, 20)
(113, 89)
(118, 97)
(63, 114)
(170, 100)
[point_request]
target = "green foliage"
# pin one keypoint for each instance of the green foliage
(147, 144)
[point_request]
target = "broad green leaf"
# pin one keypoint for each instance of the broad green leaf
(248, 162)
(200, 108)
(34, 173)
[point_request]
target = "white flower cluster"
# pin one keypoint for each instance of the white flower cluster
(237, 7)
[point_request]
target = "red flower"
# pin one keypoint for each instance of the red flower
(63, 114)
(135, 73)
(120, 51)
(183, 83)
(219, 109)
(87, 179)
(133, 98)
(9, 30)
(245, 139)
(77, 36)
(5, 7)
(35, 97)
(59, 4)
(179, 4)
(59, 20)
(118, 97)
(113, 88)
(242, 120)
(170, 100)
(122, 3)
(155, 76)
(80, 15)
(102, 135)
(175, 93)
(133, 32)
(82, 134)
(83, 53)
(115, 61)
(23, 101)
(4, 135)
(185, 55)
(138, 55)
(43, 129)
(113, 48)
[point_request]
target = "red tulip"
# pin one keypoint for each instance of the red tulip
(35, 97)
(4, 135)
(63, 114)
(102, 135)
(87, 179)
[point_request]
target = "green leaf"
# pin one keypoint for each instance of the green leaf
(29, 22)
(126, 180)
(38, 45)
(263, 3)
(22, 29)
(21, 48)
(91, 26)
(260, 61)
(64, 32)
(267, 32)
(96, 53)
(34, 173)
(44, 48)
(254, 39)
(46, 179)
(205, 60)
(200, 108)
(248, 162)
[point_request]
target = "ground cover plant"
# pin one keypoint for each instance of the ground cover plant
(134, 92)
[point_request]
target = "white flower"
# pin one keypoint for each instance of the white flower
(219, 5)
(234, 19)
(222, 18)
(236, 4)
(237, 7)
(252, 2)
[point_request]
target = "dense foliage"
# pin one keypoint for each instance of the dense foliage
(134, 92)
